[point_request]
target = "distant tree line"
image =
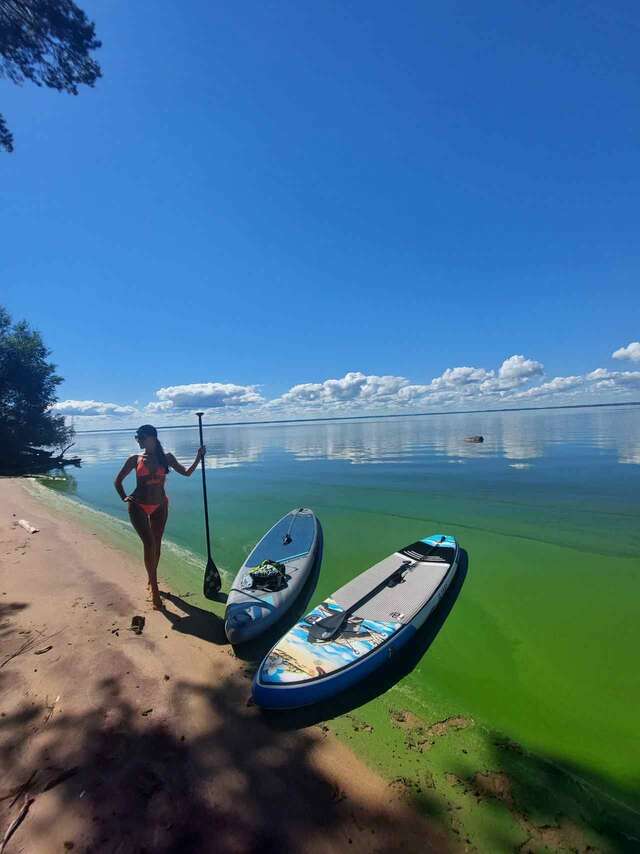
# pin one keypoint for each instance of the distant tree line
(33, 437)
(49, 43)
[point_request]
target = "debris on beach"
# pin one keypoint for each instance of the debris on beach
(137, 624)
(15, 824)
(43, 650)
(27, 526)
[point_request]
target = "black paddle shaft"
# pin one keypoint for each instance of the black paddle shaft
(212, 581)
(328, 627)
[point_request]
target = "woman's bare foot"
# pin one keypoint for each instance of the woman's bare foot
(157, 601)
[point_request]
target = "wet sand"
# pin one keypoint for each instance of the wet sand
(115, 742)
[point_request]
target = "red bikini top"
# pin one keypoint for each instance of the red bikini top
(156, 478)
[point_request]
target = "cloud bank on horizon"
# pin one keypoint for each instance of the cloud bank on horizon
(518, 381)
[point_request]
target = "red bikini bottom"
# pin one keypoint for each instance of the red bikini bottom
(150, 509)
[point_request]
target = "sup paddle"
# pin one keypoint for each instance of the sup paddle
(212, 581)
(328, 627)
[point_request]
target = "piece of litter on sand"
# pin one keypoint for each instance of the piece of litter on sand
(43, 650)
(146, 712)
(15, 824)
(27, 526)
(137, 624)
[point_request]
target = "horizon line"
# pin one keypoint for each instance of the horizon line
(369, 417)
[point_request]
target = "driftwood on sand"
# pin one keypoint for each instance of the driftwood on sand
(27, 526)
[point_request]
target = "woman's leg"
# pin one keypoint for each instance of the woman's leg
(141, 523)
(158, 520)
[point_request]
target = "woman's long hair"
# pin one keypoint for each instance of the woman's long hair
(161, 456)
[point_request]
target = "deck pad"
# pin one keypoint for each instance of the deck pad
(295, 659)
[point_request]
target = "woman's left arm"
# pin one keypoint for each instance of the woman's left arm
(176, 466)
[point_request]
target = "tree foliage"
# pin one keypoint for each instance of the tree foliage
(28, 383)
(49, 43)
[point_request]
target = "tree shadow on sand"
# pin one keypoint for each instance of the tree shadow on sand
(386, 677)
(7, 611)
(134, 784)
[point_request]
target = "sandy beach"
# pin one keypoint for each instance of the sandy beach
(115, 742)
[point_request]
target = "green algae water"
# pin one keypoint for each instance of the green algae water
(514, 718)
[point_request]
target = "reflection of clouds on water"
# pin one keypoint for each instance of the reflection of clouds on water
(623, 436)
(401, 440)
(224, 449)
(227, 447)
(105, 447)
(522, 437)
(517, 437)
(357, 442)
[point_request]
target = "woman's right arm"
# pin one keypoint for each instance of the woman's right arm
(124, 471)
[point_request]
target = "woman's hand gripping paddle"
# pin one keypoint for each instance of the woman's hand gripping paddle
(212, 582)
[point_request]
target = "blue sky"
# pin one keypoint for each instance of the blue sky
(290, 208)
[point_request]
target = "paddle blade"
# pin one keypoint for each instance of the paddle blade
(212, 582)
(325, 629)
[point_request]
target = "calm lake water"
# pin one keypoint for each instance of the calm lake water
(541, 642)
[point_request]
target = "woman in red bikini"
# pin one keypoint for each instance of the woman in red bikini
(148, 503)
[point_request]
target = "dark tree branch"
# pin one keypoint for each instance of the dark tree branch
(6, 137)
(49, 43)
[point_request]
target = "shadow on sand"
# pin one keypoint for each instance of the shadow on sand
(134, 784)
(194, 621)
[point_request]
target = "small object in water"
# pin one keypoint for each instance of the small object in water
(43, 650)
(474, 439)
(27, 526)
(137, 624)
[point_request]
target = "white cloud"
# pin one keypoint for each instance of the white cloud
(558, 385)
(93, 408)
(462, 387)
(517, 370)
(631, 352)
(354, 389)
(603, 378)
(459, 377)
(206, 396)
